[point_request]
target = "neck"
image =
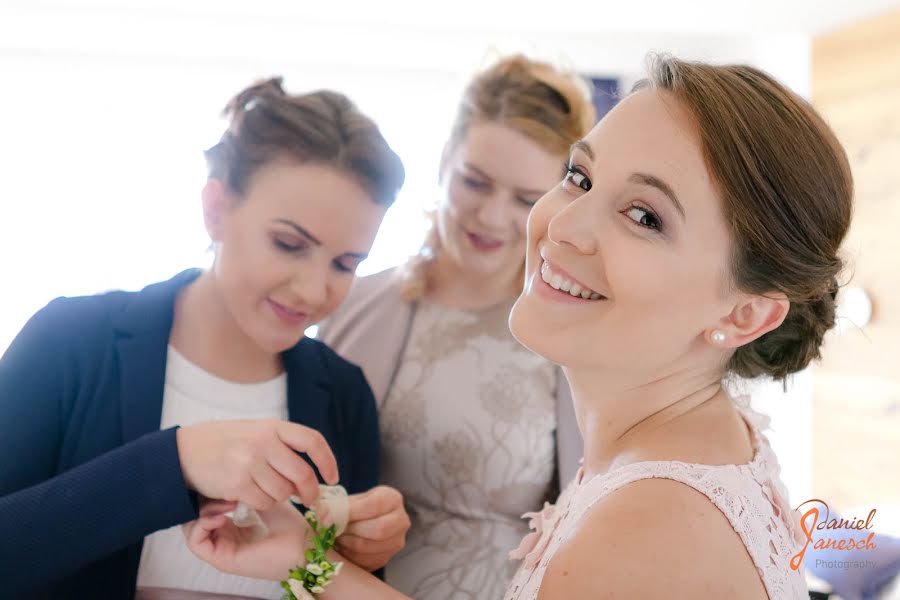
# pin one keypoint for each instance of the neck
(206, 334)
(452, 286)
(619, 422)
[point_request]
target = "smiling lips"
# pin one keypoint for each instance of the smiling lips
(483, 242)
(288, 316)
(558, 281)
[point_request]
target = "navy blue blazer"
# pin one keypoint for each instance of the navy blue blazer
(85, 471)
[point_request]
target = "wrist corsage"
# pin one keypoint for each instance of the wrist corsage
(307, 581)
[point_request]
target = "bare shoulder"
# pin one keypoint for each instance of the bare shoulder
(654, 538)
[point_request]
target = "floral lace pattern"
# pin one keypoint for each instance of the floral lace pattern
(468, 436)
(751, 496)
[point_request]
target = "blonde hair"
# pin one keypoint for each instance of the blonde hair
(550, 106)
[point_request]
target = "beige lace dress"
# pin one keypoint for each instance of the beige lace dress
(467, 432)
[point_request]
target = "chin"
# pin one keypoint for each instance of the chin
(523, 325)
(278, 343)
(557, 342)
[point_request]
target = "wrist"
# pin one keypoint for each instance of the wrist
(318, 564)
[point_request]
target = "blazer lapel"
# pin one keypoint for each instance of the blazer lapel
(142, 329)
(142, 364)
(310, 393)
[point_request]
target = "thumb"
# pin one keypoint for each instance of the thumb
(200, 537)
(378, 501)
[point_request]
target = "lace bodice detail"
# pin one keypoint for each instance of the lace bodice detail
(750, 495)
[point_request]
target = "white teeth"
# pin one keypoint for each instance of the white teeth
(557, 281)
(545, 273)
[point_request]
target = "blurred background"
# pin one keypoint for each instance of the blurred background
(106, 106)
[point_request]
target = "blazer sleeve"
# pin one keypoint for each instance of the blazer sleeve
(53, 524)
(569, 443)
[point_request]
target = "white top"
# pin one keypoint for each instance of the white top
(193, 395)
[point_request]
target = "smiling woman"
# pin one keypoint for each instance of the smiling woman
(700, 221)
(130, 409)
(287, 248)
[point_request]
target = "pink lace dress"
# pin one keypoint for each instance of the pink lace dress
(750, 495)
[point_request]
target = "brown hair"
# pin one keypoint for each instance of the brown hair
(788, 197)
(322, 127)
(550, 106)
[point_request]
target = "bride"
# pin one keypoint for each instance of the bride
(694, 237)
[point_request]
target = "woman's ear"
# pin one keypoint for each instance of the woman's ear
(215, 206)
(751, 318)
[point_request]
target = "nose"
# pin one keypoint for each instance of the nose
(493, 212)
(310, 284)
(574, 226)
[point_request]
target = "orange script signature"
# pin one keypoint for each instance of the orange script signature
(809, 522)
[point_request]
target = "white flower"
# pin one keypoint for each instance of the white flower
(314, 568)
(337, 568)
(317, 589)
(298, 590)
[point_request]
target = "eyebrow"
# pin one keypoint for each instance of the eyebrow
(656, 182)
(584, 147)
(482, 174)
(315, 241)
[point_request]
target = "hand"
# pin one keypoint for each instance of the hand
(215, 539)
(377, 528)
(254, 462)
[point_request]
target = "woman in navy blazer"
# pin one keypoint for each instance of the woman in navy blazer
(85, 471)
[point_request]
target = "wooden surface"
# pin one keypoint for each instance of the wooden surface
(856, 422)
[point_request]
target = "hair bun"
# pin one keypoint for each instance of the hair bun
(794, 344)
(246, 98)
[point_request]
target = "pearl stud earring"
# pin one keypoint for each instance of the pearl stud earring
(718, 336)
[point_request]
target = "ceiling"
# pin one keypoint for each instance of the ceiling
(686, 16)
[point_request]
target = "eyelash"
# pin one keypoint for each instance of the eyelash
(481, 186)
(292, 249)
(648, 213)
(572, 172)
(474, 184)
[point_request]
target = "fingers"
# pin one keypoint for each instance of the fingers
(356, 545)
(293, 468)
(253, 496)
(374, 503)
(271, 483)
(386, 527)
(304, 439)
(200, 535)
(216, 507)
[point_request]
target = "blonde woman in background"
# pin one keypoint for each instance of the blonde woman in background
(476, 430)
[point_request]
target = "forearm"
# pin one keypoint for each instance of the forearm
(60, 525)
(354, 582)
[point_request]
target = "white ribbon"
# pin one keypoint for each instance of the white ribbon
(332, 506)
